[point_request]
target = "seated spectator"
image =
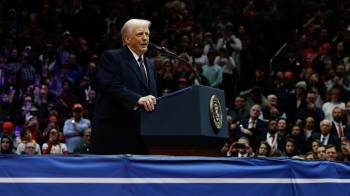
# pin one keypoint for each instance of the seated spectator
(310, 156)
(6, 146)
(272, 111)
(282, 127)
(54, 145)
(74, 127)
(84, 148)
(331, 153)
(26, 137)
(239, 110)
(309, 127)
(240, 149)
(345, 149)
(253, 128)
(263, 150)
(321, 152)
(314, 146)
(273, 138)
(8, 130)
(338, 127)
(309, 108)
(30, 149)
(289, 148)
(297, 136)
(325, 137)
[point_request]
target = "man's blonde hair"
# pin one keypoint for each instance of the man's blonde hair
(131, 24)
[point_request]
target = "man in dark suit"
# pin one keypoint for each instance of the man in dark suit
(272, 137)
(338, 128)
(252, 127)
(325, 137)
(125, 81)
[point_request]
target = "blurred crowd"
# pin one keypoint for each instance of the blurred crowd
(283, 64)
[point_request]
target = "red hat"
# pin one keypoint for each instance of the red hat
(288, 74)
(77, 106)
(8, 126)
(52, 118)
(182, 79)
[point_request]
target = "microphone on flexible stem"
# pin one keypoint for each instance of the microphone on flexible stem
(162, 49)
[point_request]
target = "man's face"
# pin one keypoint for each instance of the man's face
(272, 128)
(311, 98)
(321, 153)
(239, 102)
(309, 123)
(30, 148)
(337, 114)
(272, 102)
(282, 124)
(331, 154)
(137, 39)
(255, 112)
(325, 128)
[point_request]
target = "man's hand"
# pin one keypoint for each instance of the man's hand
(148, 102)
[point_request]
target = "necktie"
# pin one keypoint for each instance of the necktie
(273, 140)
(341, 131)
(143, 69)
(323, 140)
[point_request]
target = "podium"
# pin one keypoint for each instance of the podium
(191, 121)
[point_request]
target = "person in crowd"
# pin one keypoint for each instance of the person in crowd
(263, 150)
(212, 71)
(239, 110)
(253, 128)
(30, 148)
(333, 102)
(273, 138)
(74, 127)
(345, 149)
(321, 152)
(309, 127)
(309, 108)
(6, 145)
(240, 149)
(331, 153)
(325, 137)
(282, 127)
(298, 137)
(84, 148)
(338, 127)
(54, 146)
(314, 145)
(272, 111)
(26, 138)
(289, 148)
(8, 130)
(310, 156)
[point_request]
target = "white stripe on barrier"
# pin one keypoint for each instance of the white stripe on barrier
(174, 180)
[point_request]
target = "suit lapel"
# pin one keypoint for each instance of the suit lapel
(135, 66)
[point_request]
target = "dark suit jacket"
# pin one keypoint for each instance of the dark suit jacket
(116, 123)
(345, 129)
(317, 136)
(258, 132)
(280, 141)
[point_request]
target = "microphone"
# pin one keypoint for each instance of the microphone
(162, 49)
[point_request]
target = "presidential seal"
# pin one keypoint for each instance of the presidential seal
(215, 113)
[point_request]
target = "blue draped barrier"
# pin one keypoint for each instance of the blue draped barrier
(166, 175)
